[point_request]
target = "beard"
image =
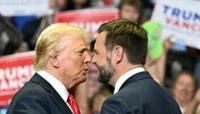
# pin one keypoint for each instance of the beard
(106, 72)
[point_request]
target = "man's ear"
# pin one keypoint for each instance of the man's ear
(117, 54)
(54, 60)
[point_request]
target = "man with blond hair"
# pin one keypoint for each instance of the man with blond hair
(61, 63)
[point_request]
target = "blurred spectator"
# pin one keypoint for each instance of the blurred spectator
(58, 5)
(33, 28)
(27, 25)
(93, 83)
(82, 98)
(10, 38)
(99, 98)
(139, 10)
(29, 30)
(157, 50)
(32, 25)
(184, 89)
(193, 107)
(131, 10)
(78, 4)
(20, 21)
(178, 61)
(97, 3)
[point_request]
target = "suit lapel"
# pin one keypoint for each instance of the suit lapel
(136, 77)
(54, 95)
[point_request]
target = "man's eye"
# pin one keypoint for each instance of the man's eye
(81, 52)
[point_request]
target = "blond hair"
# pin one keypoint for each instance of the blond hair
(48, 41)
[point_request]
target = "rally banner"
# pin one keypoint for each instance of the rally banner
(24, 7)
(15, 70)
(89, 19)
(180, 19)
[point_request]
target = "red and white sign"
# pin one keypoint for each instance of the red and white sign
(89, 19)
(15, 70)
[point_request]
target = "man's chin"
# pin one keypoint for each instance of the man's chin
(103, 80)
(105, 75)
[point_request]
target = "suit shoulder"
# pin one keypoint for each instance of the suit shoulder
(30, 92)
(112, 105)
(118, 104)
(30, 98)
(31, 89)
(147, 93)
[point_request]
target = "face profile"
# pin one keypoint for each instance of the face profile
(120, 55)
(185, 87)
(63, 51)
(102, 60)
(74, 59)
(61, 62)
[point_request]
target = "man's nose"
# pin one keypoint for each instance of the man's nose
(88, 58)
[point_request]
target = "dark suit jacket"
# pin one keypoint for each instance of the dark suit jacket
(37, 96)
(140, 94)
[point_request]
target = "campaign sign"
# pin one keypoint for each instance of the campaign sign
(89, 19)
(15, 70)
(180, 19)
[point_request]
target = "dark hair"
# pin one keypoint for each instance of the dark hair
(130, 36)
(92, 43)
(71, 5)
(134, 3)
(195, 84)
(13, 36)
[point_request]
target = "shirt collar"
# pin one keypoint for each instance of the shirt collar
(55, 83)
(125, 76)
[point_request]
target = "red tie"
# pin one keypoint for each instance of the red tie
(73, 104)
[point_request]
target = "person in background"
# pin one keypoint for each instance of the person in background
(99, 98)
(120, 54)
(78, 4)
(32, 29)
(157, 51)
(131, 10)
(11, 40)
(184, 89)
(194, 107)
(59, 5)
(61, 63)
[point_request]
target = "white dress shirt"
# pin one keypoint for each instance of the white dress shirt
(56, 84)
(125, 76)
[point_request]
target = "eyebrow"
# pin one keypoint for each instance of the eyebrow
(83, 50)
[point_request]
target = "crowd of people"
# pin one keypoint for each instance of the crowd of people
(173, 66)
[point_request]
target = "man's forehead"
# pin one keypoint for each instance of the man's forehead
(101, 37)
(100, 40)
(80, 46)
